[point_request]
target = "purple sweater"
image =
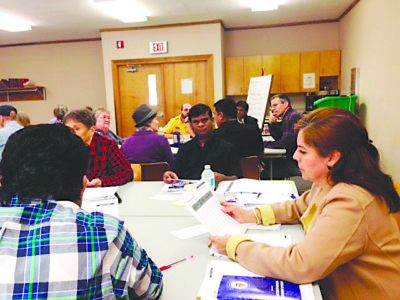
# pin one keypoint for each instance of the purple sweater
(147, 147)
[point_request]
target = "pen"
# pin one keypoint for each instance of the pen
(166, 267)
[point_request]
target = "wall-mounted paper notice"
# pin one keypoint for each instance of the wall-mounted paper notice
(308, 80)
(187, 86)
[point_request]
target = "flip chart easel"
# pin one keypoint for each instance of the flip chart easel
(257, 98)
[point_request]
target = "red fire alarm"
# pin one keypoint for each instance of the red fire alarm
(120, 44)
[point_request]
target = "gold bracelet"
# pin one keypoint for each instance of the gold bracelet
(255, 214)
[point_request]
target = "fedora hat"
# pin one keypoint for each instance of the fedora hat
(142, 114)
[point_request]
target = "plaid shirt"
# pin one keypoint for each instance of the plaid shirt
(286, 136)
(107, 162)
(58, 251)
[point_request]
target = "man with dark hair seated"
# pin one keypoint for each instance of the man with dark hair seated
(49, 246)
(246, 138)
(285, 136)
(205, 149)
(242, 116)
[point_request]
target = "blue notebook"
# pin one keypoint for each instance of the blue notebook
(256, 288)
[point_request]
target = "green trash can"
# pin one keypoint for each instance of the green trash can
(346, 102)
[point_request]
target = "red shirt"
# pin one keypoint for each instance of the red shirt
(107, 162)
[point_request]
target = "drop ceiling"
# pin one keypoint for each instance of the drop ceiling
(57, 20)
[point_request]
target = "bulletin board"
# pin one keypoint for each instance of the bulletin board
(257, 98)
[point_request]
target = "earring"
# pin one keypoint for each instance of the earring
(329, 167)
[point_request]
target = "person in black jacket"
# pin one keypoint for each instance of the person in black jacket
(246, 138)
(242, 117)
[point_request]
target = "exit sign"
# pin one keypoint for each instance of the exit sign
(120, 45)
(158, 47)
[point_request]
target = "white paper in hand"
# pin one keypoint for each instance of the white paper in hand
(205, 207)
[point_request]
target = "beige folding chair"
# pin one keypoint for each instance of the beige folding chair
(137, 172)
(250, 167)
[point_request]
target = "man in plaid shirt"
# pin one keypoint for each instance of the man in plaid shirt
(284, 135)
(49, 247)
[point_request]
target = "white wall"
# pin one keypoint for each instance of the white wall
(182, 41)
(72, 74)
(369, 40)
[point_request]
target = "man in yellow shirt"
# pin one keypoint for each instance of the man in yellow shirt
(180, 123)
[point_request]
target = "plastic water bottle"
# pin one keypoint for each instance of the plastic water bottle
(177, 139)
(160, 130)
(208, 176)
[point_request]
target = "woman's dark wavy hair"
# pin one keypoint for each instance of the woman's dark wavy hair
(330, 129)
(43, 161)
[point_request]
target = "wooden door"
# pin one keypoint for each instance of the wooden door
(135, 88)
(252, 67)
(186, 79)
(234, 76)
(310, 63)
(272, 65)
(185, 82)
(290, 73)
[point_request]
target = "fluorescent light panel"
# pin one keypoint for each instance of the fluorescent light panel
(13, 24)
(126, 11)
(264, 5)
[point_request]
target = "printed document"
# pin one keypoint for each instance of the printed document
(229, 280)
(101, 199)
(249, 192)
(204, 206)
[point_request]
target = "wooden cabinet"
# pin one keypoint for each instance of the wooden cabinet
(23, 93)
(310, 64)
(287, 71)
(330, 63)
(330, 70)
(238, 71)
(234, 76)
(290, 73)
(252, 67)
(271, 64)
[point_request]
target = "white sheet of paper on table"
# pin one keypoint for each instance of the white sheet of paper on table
(106, 206)
(174, 194)
(249, 193)
(101, 199)
(99, 193)
(190, 232)
(199, 229)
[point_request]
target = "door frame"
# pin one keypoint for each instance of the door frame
(115, 64)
